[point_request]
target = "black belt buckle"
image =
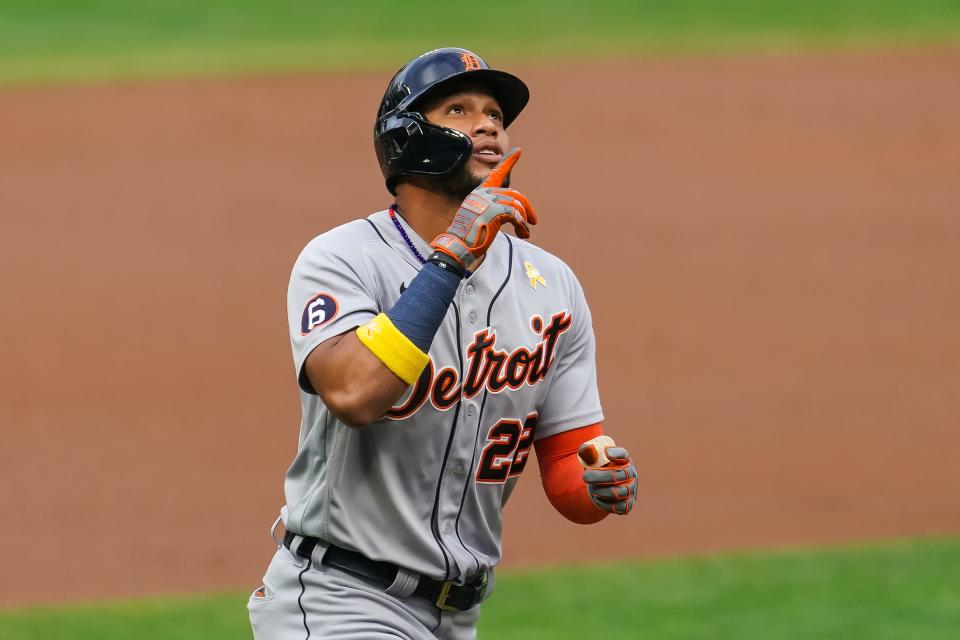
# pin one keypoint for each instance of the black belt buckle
(466, 596)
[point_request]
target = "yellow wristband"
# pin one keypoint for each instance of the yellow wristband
(393, 348)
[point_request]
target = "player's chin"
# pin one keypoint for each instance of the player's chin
(480, 168)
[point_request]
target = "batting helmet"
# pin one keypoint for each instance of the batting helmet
(406, 143)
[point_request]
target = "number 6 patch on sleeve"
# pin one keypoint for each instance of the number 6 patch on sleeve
(319, 310)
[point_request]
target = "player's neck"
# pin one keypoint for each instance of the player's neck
(427, 212)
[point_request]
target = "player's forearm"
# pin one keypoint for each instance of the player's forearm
(567, 493)
(356, 386)
(562, 475)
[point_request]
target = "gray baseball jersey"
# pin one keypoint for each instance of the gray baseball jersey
(513, 362)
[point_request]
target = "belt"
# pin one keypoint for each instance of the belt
(447, 595)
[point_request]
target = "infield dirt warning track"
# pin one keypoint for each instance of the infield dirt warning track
(769, 247)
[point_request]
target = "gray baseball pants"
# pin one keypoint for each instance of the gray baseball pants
(306, 600)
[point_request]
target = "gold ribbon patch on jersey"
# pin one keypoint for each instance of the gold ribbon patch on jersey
(534, 274)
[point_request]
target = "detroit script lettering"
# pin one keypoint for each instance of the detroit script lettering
(487, 367)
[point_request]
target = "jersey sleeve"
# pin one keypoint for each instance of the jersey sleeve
(329, 294)
(572, 400)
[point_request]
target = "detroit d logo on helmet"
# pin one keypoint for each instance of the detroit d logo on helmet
(320, 309)
(470, 62)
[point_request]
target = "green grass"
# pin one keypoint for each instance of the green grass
(896, 591)
(71, 40)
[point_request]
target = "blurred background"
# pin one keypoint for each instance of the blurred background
(760, 198)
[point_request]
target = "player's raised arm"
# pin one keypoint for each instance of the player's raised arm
(361, 374)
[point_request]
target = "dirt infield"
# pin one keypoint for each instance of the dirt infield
(769, 246)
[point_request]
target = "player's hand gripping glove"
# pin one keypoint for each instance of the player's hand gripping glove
(483, 212)
(613, 487)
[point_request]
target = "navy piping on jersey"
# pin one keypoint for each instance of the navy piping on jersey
(378, 232)
(303, 590)
(347, 315)
(505, 280)
(434, 524)
(483, 403)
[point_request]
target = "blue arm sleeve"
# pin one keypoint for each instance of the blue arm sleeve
(420, 310)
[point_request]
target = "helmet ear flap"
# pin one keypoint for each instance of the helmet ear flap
(395, 141)
(406, 144)
(392, 139)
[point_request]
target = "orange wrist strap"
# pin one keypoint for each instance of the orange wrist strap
(562, 474)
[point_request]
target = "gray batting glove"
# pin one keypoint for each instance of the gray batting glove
(613, 487)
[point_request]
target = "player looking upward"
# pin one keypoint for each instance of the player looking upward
(432, 352)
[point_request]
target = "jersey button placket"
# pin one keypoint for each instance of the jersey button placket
(469, 289)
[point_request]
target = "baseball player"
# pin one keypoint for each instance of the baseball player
(432, 353)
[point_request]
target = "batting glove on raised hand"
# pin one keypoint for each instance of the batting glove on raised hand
(483, 212)
(613, 487)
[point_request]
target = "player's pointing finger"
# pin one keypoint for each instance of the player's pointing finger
(501, 172)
